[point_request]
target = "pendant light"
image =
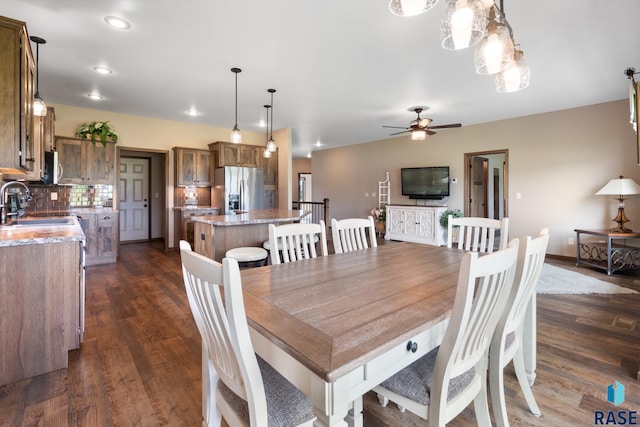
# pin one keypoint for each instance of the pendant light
(410, 7)
(463, 24)
(236, 136)
(516, 76)
(271, 144)
(495, 51)
(39, 106)
(267, 154)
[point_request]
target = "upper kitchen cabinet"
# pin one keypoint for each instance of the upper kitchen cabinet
(228, 154)
(193, 167)
(85, 163)
(18, 153)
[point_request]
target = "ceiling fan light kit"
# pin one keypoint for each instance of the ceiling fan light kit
(420, 128)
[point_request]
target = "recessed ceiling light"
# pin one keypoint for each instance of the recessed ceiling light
(95, 96)
(309, 155)
(102, 70)
(318, 144)
(193, 112)
(116, 22)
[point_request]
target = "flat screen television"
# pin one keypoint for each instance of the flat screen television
(430, 182)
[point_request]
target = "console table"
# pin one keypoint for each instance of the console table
(606, 254)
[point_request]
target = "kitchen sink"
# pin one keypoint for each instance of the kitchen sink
(40, 222)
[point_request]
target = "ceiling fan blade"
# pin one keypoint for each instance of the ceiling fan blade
(398, 133)
(430, 132)
(452, 125)
(395, 127)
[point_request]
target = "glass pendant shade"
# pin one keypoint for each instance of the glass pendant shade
(463, 24)
(419, 135)
(39, 106)
(236, 136)
(516, 76)
(495, 51)
(271, 145)
(266, 153)
(410, 7)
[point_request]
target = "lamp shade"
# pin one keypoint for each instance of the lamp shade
(463, 24)
(516, 76)
(410, 7)
(620, 186)
(418, 135)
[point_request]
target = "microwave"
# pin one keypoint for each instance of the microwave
(50, 168)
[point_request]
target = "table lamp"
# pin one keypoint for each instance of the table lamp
(620, 187)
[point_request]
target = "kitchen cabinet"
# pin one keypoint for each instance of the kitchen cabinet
(41, 307)
(102, 236)
(418, 224)
(85, 163)
(183, 222)
(18, 153)
(229, 154)
(192, 167)
(270, 167)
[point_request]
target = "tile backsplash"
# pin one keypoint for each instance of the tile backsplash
(65, 197)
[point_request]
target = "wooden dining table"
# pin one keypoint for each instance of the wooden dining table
(337, 326)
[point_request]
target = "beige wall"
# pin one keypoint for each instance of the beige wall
(161, 135)
(557, 162)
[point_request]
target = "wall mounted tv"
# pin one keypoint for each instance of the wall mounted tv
(425, 183)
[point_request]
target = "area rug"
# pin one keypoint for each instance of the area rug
(557, 280)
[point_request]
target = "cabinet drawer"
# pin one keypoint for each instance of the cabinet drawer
(392, 361)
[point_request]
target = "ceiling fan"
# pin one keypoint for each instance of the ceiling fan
(420, 128)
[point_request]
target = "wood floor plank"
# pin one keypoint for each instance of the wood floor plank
(139, 363)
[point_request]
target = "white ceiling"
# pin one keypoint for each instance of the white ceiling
(341, 68)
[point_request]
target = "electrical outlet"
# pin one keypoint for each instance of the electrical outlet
(570, 240)
(366, 194)
(54, 196)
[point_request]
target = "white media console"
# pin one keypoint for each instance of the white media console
(420, 224)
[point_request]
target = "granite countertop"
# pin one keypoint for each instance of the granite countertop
(17, 235)
(194, 208)
(260, 216)
(70, 211)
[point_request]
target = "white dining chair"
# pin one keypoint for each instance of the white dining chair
(237, 384)
(441, 384)
(297, 241)
(351, 234)
(508, 337)
(478, 234)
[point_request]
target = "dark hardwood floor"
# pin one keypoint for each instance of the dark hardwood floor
(139, 364)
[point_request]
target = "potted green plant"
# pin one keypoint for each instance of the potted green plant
(97, 130)
(444, 222)
(444, 216)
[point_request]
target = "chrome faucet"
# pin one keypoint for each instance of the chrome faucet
(3, 189)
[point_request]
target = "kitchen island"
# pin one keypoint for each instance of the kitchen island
(216, 234)
(41, 295)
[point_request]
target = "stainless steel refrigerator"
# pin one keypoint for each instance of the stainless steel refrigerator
(237, 188)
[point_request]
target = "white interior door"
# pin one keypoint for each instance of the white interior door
(134, 199)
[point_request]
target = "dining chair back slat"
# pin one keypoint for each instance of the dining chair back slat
(478, 234)
(350, 234)
(297, 241)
